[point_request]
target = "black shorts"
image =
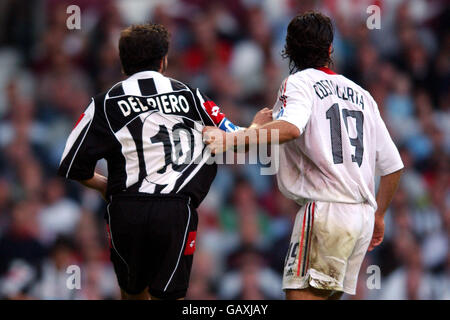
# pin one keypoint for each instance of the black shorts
(152, 240)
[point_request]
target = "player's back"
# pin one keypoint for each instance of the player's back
(157, 122)
(149, 129)
(343, 140)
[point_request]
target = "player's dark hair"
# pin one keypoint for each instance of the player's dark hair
(142, 47)
(308, 40)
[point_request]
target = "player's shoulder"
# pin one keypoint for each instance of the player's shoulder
(353, 84)
(364, 92)
(302, 80)
(116, 90)
(298, 77)
(179, 85)
(295, 81)
(99, 100)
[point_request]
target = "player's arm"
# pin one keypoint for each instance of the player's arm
(219, 122)
(277, 131)
(388, 186)
(84, 147)
(97, 182)
(293, 110)
(386, 190)
(389, 166)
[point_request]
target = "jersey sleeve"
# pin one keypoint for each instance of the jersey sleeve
(296, 102)
(84, 147)
(214, 114)
(387, 159)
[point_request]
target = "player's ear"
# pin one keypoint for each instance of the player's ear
(330, 50)
(163, 64)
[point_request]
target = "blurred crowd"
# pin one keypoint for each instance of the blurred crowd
(231, 50)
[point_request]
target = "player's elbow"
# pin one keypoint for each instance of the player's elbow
(295, 132)
(291, 132)
(282, 131)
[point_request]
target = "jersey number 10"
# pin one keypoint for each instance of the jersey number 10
(333, 115)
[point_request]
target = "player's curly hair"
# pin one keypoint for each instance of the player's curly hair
(142, 46)
(308, 40)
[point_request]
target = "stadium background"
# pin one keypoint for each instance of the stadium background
(231, 50)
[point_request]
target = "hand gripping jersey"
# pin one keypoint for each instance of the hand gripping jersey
(343, 144)
(149, 129)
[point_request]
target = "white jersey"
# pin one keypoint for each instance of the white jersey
(343, 144)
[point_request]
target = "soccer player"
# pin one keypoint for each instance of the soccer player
(149, 129)
(334, 143)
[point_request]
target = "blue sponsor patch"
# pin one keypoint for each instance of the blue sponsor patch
(228, 126)
(280, 114)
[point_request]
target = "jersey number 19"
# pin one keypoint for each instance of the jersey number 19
(333, 115)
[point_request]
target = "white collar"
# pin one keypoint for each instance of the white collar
(145, 74)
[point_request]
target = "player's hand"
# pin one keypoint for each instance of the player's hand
(262, 117)
(215, 139)
(378, 233)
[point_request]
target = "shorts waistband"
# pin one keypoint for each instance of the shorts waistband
(306, 201)
(148, 196)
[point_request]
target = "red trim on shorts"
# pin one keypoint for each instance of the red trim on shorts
(108, 232)
(310, 235)
(301, 243)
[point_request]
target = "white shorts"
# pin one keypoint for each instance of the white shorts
(328, 245)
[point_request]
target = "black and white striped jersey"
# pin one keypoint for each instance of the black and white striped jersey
(149, 129)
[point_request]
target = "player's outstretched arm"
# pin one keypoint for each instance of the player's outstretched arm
(386, 191)
(97, 182)
(220, 141)
(262, 117)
